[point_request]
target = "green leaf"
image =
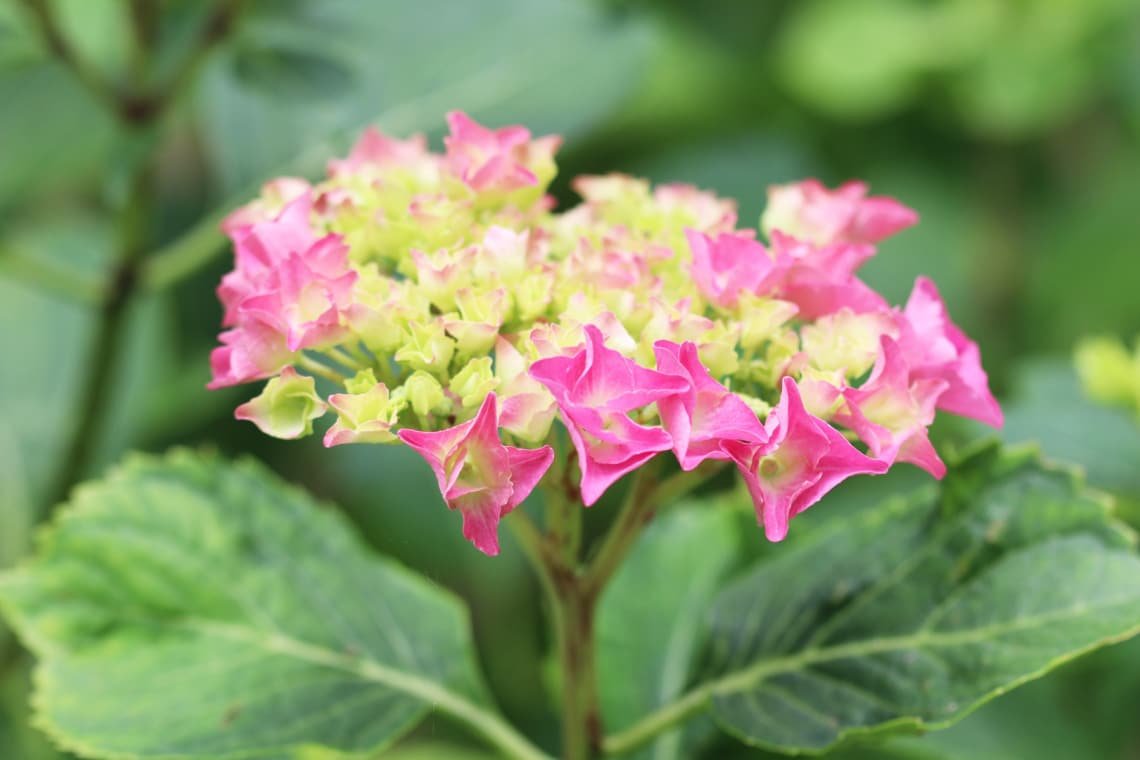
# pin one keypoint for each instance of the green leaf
(18, 43)
(664, 586)
(909, 615)
(185, 607)
(42, 148)
(291, 73)
(552, 65)
(435, 751)
(914, 613)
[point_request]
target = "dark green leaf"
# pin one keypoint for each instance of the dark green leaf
(283, 73)
(914, 613)
(553, 65)
(911, 614)
(53, 132)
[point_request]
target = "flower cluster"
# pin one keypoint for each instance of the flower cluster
(445, 304)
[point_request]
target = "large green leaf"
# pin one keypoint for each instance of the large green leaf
(189, 608)
(665, 586)
(914, 613)
(911, 614)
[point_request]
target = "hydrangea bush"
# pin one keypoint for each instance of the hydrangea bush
(451, 308)
(639, 345)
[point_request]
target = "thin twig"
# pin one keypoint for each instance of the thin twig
(57, 44)
(138, 110)
(104, 352)
(215, 29)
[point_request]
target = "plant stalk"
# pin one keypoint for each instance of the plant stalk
(104, 352)
(575, 590)
(581, 718)
(139, 109)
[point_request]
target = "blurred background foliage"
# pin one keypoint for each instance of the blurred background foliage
(1012, 126)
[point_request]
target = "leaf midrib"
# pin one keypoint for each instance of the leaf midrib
(433, 694)
(745, 678)
(742, 680)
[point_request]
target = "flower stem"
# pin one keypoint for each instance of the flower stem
(572, 613)
(635, 513)
(581, 718)
(646, 496)
(308, 363)
(575, 590)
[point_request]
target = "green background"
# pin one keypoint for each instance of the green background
(1012, 127)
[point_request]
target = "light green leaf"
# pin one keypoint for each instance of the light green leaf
(665, 586)
(18, 43)
(435, 751)
(187, 608)
(909, 615)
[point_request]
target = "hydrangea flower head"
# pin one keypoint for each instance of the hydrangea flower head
(439, 301)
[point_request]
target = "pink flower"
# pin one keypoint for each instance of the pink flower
(305, 294)
(820, 280)
(811, 212)
(276, 194)
(504, 159)
(935, 348)
(375, 149)
(706, 415)
(477, 474)
(254, 351)
(260, 248)
(891, 411)
(286, 293)
(801, 461)
(730, 264)
(596, 388)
